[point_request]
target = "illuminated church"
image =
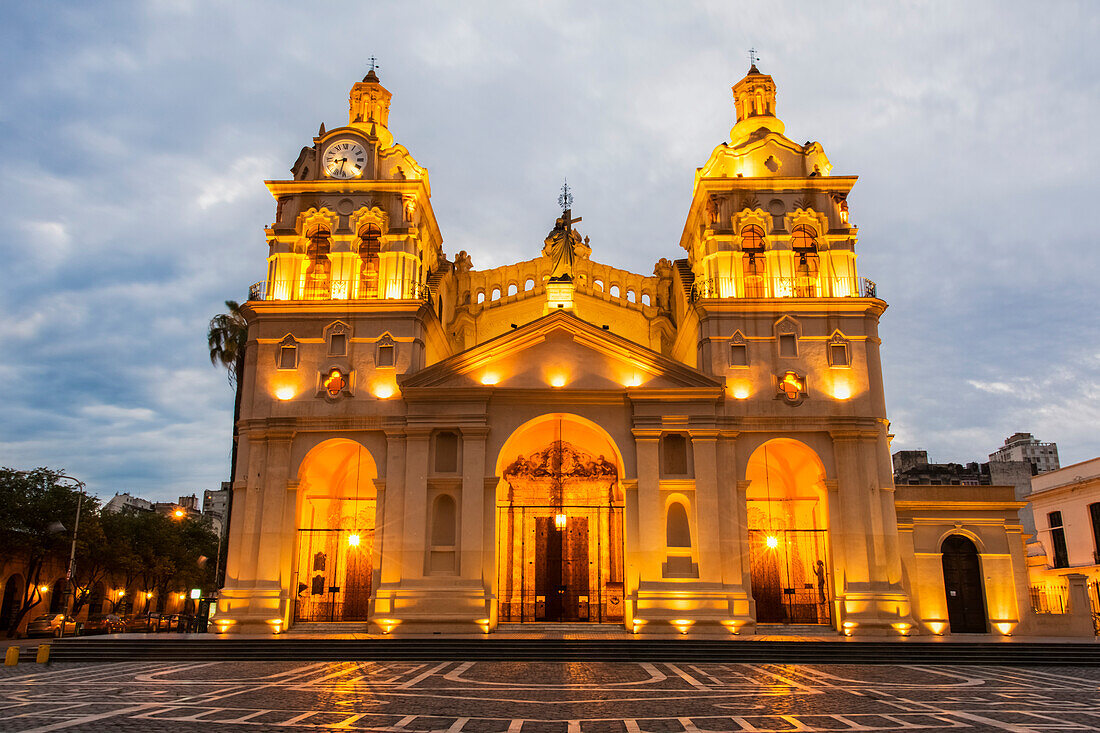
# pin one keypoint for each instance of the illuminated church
(426, 446)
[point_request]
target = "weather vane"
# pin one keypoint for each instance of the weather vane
(373, 63)
(753, 58)
(565, 199)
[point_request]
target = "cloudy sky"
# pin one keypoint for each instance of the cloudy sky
(136, 138)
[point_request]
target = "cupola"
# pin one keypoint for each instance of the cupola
(754, 105)
(370, 102)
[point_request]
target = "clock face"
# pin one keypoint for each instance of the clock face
(345, 159)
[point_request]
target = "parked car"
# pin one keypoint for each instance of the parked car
(146, 622)
(109, 623)
(51, 625)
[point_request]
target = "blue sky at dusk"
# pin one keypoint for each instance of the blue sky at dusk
(136, 138)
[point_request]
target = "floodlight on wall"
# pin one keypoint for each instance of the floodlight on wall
(560, 520)
(772, 542)
(284, 393)
(353, 540)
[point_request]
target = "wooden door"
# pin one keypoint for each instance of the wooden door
(962, 582)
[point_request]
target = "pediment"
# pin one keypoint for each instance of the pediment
(560, 351)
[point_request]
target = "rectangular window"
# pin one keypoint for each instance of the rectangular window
(385, 356)
(337, 344)
(838, 355)
(1058, 540)
(739, 355)
(1094, 515)
(446, 453)
(788, 344)
(288, 357)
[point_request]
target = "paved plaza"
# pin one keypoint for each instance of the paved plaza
(544, 697)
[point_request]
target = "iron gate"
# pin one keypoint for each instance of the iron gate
(334, 575)
(789, 572)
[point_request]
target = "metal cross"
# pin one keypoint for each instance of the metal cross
(373, 63)
(753, 58)
(565, 199)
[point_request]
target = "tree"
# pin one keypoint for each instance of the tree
(36, 517)
(227, 337)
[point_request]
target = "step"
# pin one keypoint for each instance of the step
(597, 650)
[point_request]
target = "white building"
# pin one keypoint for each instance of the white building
(1024, 447)
(120, 502)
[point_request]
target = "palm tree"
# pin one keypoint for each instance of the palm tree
(227, 337)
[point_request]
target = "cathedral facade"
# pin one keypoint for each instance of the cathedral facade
(425, 446)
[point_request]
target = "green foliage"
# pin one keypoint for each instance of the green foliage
(227, 336)
(146, 549)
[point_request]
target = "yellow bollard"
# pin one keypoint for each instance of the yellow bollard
(43, 654)
(12, 657)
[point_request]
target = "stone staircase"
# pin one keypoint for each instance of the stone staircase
(518, 647)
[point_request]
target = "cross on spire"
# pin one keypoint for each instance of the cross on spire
(373, 63)
(565, 199)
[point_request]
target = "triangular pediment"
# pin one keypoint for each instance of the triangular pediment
(560, 351)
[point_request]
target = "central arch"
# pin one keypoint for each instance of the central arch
(335, 521)
(560, 523)
(788, 533)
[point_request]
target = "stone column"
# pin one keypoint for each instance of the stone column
(416, 503)
(472, 536)
(392, 516)
(650, 532)
(704, 448)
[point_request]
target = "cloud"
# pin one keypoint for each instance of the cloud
(137, 138)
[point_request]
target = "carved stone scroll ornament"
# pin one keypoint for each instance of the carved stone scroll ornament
(560, 473)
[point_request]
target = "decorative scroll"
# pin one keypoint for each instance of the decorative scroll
(560, 474)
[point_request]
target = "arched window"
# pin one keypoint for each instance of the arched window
(599, 285)
(677, 529)
(57, 596)
(674, 454)
(631, 296)
(370, 244)
(446, 452)
(320, 267)
(529, 285)
(512, 289)
(496, 294)
(755, 264)
(804, 246)
(645, 299)
(443, 534)
(443, 522)
(614, 291)
(481, 297)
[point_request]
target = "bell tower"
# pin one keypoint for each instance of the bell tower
(754, 105)
(370, 102)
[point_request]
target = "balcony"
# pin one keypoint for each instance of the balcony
(346, 290)
(783, 287)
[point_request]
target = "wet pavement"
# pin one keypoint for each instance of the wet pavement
(544, 697)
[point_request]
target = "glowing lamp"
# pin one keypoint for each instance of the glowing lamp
(772, 542)
(490, 379)
(634, 381)
(43, 589)
(741, 392)
(121, 592)
(181, 596)
(353, 540)
(275, 624)
(178, 514)
(842, 391)
(284, 393)
(1004, 627)
(383, 391)
(560, 520)
(557, 380)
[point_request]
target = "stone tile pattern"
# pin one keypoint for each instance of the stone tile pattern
(544, 697)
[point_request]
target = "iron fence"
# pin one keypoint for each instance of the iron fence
(783, 287)
(351, 290)
(1049, 598)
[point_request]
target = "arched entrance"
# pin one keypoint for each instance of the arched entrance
(13, 595)
(962, 581)
(560, 523)
(788, 534)
(336, 521)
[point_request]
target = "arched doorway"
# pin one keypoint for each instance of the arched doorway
(58, 595)
(96, 598)
(13, 595)
(962, 582)
(560, 523)
(336, 520)
(788, 534)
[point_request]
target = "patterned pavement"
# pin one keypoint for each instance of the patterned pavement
(506, 697)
